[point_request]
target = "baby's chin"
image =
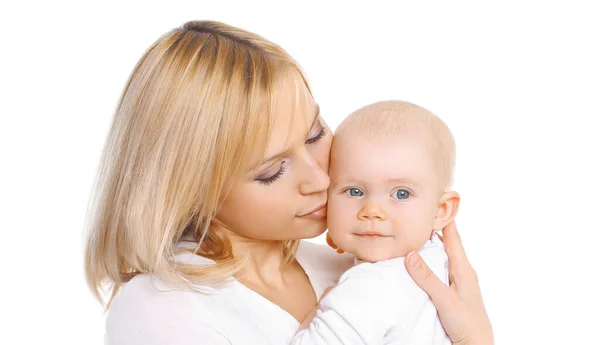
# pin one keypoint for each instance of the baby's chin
(376, 254)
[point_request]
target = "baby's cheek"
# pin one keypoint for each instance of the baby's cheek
(412, 231)
(339, 219)
(333, 215)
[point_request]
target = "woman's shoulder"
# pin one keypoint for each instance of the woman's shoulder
(150, 311)
(145, 288)
(322, 263)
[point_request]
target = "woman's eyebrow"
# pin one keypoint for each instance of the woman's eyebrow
(317, 113)
(280, 154)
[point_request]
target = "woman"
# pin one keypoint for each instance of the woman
(215, 167)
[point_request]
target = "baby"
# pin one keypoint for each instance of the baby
(391, 167)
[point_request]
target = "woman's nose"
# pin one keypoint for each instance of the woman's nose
(315, 179)
(372, 211)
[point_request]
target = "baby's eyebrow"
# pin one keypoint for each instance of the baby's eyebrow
(395, 181)
(346, 180)
(403, 181)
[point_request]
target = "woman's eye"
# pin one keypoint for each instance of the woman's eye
(401, 194)
(270, 179)
(355, 192)
(318, 136)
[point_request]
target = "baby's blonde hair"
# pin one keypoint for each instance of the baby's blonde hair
(195, 114)
(392, 120)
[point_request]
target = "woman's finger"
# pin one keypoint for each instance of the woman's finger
(332, 244)
(453, 245)
(330, 241)
(443, 297)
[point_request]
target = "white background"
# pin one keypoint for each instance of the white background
(518, 84)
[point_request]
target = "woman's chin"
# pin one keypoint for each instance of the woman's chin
(315, 231)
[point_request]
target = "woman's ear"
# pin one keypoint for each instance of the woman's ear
(447, 209)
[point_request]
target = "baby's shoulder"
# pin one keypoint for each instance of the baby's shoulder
(323, 262)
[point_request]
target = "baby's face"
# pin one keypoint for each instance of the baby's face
(383, 198)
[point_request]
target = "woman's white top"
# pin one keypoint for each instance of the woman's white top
(374, 303)
(147, 311)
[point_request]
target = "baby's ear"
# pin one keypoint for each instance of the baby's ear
(447, 209)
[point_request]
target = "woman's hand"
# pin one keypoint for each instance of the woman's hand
(333, 245)
(459, 305)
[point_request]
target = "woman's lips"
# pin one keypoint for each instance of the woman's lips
(319, 213)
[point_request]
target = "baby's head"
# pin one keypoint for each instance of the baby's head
(391, 167)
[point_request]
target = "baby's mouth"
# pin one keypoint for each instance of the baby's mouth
(371, 233)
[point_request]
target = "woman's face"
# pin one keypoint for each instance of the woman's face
(285, 197)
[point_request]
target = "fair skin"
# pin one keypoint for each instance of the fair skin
(460, 306)
(386, 197)
(275, 201)
(389, 206)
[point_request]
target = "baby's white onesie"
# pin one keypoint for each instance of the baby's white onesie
(382, 304)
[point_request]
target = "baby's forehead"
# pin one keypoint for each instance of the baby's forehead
(390, 120)
(364, 141)
(398, 123)
(380, 167)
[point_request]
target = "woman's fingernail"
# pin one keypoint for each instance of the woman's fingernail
(339, 251)
(414, 260)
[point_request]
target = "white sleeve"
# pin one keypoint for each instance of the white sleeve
(161, 319)
(371, 301)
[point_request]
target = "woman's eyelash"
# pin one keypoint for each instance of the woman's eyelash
(317, 137)
(268, 180)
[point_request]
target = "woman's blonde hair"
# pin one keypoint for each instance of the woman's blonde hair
(194, 115)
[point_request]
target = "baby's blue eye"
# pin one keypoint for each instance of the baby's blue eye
(401, 194)
(354, 192)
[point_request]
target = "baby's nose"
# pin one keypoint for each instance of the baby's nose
(372, 211)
